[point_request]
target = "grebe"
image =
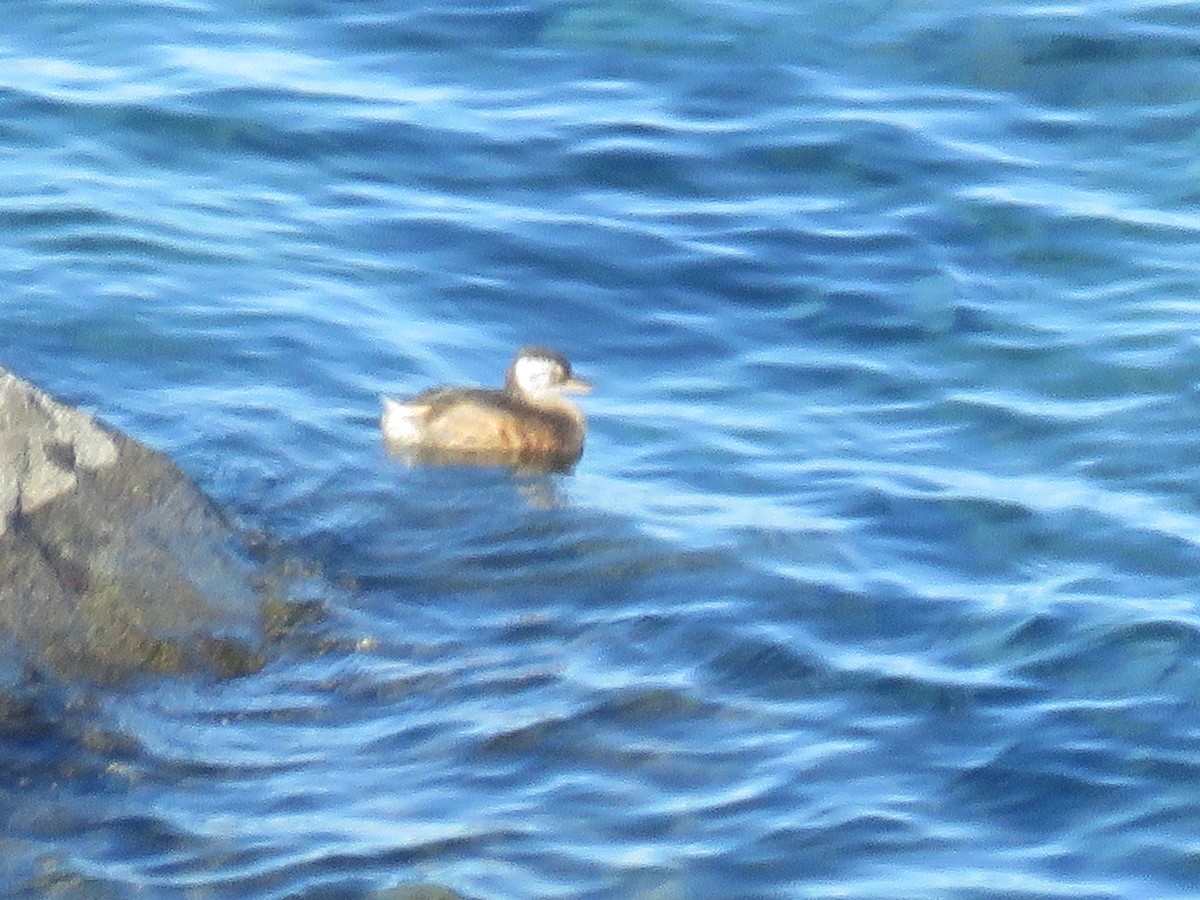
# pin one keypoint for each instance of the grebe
(528, 421)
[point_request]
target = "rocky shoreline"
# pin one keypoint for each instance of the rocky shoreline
(112, 562)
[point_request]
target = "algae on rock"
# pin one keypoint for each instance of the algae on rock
(112, 562)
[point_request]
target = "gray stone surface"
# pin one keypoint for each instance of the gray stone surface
(111, 561)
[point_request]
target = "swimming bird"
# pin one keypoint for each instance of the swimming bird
(528, 421)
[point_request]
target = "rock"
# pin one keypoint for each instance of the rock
(111, 561)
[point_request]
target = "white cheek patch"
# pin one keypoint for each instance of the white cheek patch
(532, 374)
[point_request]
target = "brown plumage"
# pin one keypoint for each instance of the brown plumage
(528, 421)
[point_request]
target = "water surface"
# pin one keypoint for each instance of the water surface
(878, 575)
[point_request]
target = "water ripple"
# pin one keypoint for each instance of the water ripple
(877, 575)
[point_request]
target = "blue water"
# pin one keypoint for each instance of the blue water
(880, 574)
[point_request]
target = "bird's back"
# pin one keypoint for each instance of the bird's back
(475, 420)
